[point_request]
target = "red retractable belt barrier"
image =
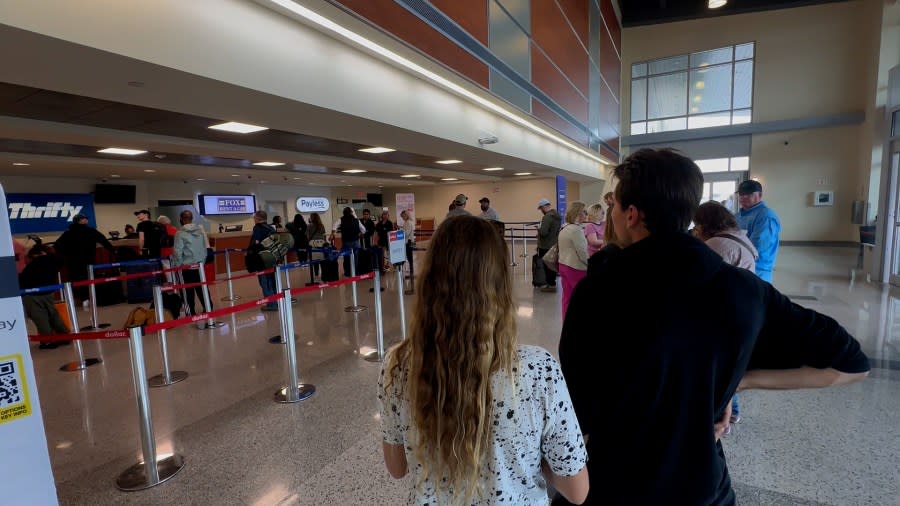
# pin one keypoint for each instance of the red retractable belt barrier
(149, 329)
(137, 275)
(107, 334)
(250, 275)
(187, 285)
(332, 284)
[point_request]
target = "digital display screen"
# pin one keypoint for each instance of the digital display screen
(212, 205)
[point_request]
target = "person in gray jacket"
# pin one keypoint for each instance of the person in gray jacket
(548, 235)
(190, 248)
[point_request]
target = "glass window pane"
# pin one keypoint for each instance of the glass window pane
(895, 123)
(713, 165)
(740, 163)
(706, 192)
(638, 70)
(743, 84)
(743, 51)
(711, 89)
(667, 96)
(667, 125)
(709, 120)
(669, 65)
(739, 117)
(638, 99)
(722, 190)
(638, 128)
(714, 57)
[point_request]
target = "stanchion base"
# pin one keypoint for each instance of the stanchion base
(278, 339)
(372, 290)
(160, 379)
(134, 478)
(77, 366)
(213, 325)
(372, 356)
(355, 309)
(229, 299)
(293, 300)
(303, 391)
(513, 264)
(98, 327)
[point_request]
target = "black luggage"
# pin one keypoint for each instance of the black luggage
(365, 261)
(140, 290)
(538, 274)
(172, 301)
(329, 270)
(108, 294)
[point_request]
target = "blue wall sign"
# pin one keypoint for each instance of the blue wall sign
(47, 212)
(561, 195)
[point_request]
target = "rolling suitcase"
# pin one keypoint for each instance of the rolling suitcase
(140, 290)
(538, 274)
(111, 293)
(364, 261)
(329, 271)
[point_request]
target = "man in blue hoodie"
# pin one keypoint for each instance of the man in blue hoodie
(762, 226)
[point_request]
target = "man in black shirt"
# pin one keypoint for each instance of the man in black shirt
(685, 331)
(77, 246)
(148, 237)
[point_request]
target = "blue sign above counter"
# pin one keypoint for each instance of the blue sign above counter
(47, 212)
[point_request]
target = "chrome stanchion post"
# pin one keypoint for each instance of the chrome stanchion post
(294, 391)
(401, 301)
(287, 278)
(524, 242)
(412, 270)
(377, 355)
(231, 295)
(92, 298)
(81, 363)
(279, 339)
(168, 377)
(151, 471)
(355, 308)
(210, 323)
(512, 248)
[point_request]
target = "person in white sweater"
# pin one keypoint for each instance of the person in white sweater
(573, 251)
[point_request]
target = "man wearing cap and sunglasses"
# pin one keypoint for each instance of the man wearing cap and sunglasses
(762, 226)
(459, 207)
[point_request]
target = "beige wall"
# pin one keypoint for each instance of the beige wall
(810, 62)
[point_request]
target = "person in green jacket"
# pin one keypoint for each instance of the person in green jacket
(548, 235)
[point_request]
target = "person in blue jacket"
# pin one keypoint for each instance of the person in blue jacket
(762, 226)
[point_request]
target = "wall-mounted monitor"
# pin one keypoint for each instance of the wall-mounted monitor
(114, 194)
(216, 205)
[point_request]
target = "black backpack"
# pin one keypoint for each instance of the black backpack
(163, 239)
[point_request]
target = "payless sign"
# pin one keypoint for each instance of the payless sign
(47, 212)
(312, 204)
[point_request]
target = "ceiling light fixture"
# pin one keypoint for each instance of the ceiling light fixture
(377, 150)
(296, 178)
(113, 175)
(715, 4)
(238, 128)
(21, 164)
(201, 179)
(149, 171)
(268, 164)
(122, 151)
(448, 162)
(449, 179)
(523, 173)
(352, 36)
(492, 169)
(354, 171)
(235, 175)
(410, 175)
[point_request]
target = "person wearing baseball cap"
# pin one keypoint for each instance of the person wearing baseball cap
(548, 235)
(459, 207)
(762, 226)
(487, 212)
(148, 236)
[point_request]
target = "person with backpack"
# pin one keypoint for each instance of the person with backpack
(190, 248)
(262, 230)
(151, 235)
(297, 229)
(41, 270)
(167, 241)
(351, 230)
(77, 246)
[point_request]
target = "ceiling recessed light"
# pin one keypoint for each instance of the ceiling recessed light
(296, 178)
(149, 170)
(449, 179)
(201, 179)
(492, 169)
(21, 164)
(376, 150)
(113, 175)
(715, 4)
(269, 164)
(238, 128)
(122, 151)
(410, 175)
(448, 162)
(235, 175)
(523, 173)
(354, 171)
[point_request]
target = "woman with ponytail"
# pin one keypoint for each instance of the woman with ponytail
(472, 415)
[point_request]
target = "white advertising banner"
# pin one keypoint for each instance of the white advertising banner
(25, 474)
(406, 202)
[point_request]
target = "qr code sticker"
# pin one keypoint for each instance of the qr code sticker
(10, 387)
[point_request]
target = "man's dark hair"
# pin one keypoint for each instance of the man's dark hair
(714, 218)
(348, 211)
(366, 211)
(664, 185)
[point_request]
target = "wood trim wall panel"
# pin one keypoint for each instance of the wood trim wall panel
(610, 65)
(548, 78)
(471, 15)
(609, 115)
(541, 112)
(612, 23)
(552, 33)
(394, 19)
(576, 11)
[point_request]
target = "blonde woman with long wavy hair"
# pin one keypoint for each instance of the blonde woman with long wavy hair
(472, 415)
